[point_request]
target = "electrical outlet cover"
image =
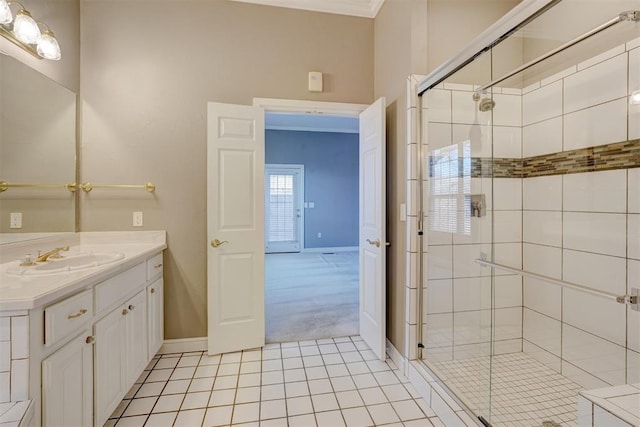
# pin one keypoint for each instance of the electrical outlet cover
(137, 219)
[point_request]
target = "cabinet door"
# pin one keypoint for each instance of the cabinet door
(111, 384)
(155, 316)
(67, 384)
(136, 335)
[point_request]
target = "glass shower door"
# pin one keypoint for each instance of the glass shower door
(457, 297)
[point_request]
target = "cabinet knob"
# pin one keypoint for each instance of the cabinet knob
(157, 265)
(153, 291)
(125, 312)
(131, 307)
(90, 340)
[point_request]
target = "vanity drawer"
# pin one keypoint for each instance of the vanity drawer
(115, 290)
(67, 316)
(154, 266)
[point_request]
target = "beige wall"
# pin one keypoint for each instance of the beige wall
(148, 70)
(63, 17)
(454, 23)
(400, 40)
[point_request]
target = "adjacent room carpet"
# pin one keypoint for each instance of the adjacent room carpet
(311, 295)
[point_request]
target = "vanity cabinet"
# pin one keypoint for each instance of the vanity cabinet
(95, 343)
(155, 313)
(67, 384)
(120, 354)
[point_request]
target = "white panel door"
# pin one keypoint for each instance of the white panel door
(372, 227)
(235, 227)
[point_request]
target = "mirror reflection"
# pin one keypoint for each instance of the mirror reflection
(37, 153)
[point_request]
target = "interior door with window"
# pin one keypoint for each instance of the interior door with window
(284, 195)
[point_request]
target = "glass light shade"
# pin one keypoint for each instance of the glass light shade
(5, 13)
(635, 97)
(48, 46)
(25, 28)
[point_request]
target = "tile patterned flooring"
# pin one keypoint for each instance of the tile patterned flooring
(525, 392)
(327, 382)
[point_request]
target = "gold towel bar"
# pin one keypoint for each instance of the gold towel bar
(4, 186)
(87, 186)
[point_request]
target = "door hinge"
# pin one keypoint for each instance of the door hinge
(420, 345)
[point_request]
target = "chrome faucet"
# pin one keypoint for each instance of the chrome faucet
(53, 254)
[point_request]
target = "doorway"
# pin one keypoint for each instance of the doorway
(235, 220)
(311, 290)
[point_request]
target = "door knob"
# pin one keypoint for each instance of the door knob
(376, 243)
(216, 243)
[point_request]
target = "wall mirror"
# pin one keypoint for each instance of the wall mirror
(37, 154)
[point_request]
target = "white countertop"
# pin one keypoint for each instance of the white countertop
(24, 292)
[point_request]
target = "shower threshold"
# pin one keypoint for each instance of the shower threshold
(524, 392)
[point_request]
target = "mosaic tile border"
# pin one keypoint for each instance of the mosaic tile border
(619, 155)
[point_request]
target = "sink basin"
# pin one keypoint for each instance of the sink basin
(74, 262)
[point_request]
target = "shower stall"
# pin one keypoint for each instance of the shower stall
(531, 205)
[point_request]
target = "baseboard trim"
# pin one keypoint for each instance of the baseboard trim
(333, 249)
(183, 345)
(398, 359)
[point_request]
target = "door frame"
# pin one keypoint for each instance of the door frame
(275, 105)
(300, 204)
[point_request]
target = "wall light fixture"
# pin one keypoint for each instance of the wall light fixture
(25, 32)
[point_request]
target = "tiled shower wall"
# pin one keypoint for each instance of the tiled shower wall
(582, 226)
(458, 296)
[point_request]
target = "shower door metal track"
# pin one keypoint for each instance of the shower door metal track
(630, 15)
(621, 299)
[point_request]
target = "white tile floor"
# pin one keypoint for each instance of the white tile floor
(329, 382)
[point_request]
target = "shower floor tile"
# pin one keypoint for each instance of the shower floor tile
(524, 391)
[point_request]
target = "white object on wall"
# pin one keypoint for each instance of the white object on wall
(315, 81)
